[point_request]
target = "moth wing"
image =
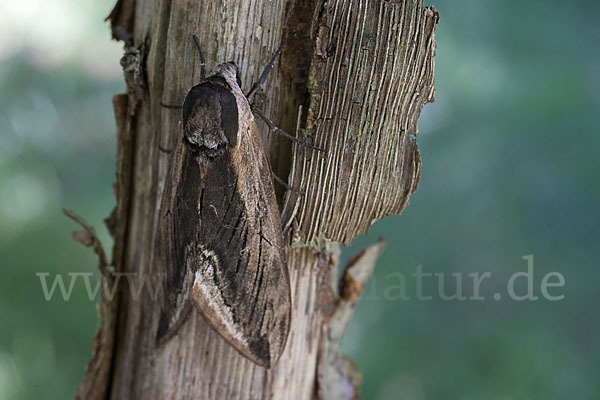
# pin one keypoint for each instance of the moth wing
(228, 250)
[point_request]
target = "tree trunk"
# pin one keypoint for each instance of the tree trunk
(352, 79)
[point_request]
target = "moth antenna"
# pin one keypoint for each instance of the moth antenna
(265, 73)
(202, 63)
(283, 133)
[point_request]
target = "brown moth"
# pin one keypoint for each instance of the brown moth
(219, 239)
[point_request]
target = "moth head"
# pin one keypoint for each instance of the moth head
(210, 118)
(230, 72)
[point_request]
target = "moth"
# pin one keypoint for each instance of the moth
(219, 240)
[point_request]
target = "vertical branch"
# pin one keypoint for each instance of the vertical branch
(361, 71)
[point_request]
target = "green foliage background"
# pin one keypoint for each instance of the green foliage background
(510, 168)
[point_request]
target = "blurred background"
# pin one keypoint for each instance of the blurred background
(510, 169)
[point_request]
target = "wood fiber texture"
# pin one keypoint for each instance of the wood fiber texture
(371, 73)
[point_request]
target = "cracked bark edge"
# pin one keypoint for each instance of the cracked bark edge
(124, 109)
(338, 377)
(97, 372)
(96, 382)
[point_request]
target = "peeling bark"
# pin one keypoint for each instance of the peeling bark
(372, 72)
(352, 78)
(98, 370)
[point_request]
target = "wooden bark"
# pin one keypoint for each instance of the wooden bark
(352, 78)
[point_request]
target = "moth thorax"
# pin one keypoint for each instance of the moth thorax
(210, 118)
(204, 133)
